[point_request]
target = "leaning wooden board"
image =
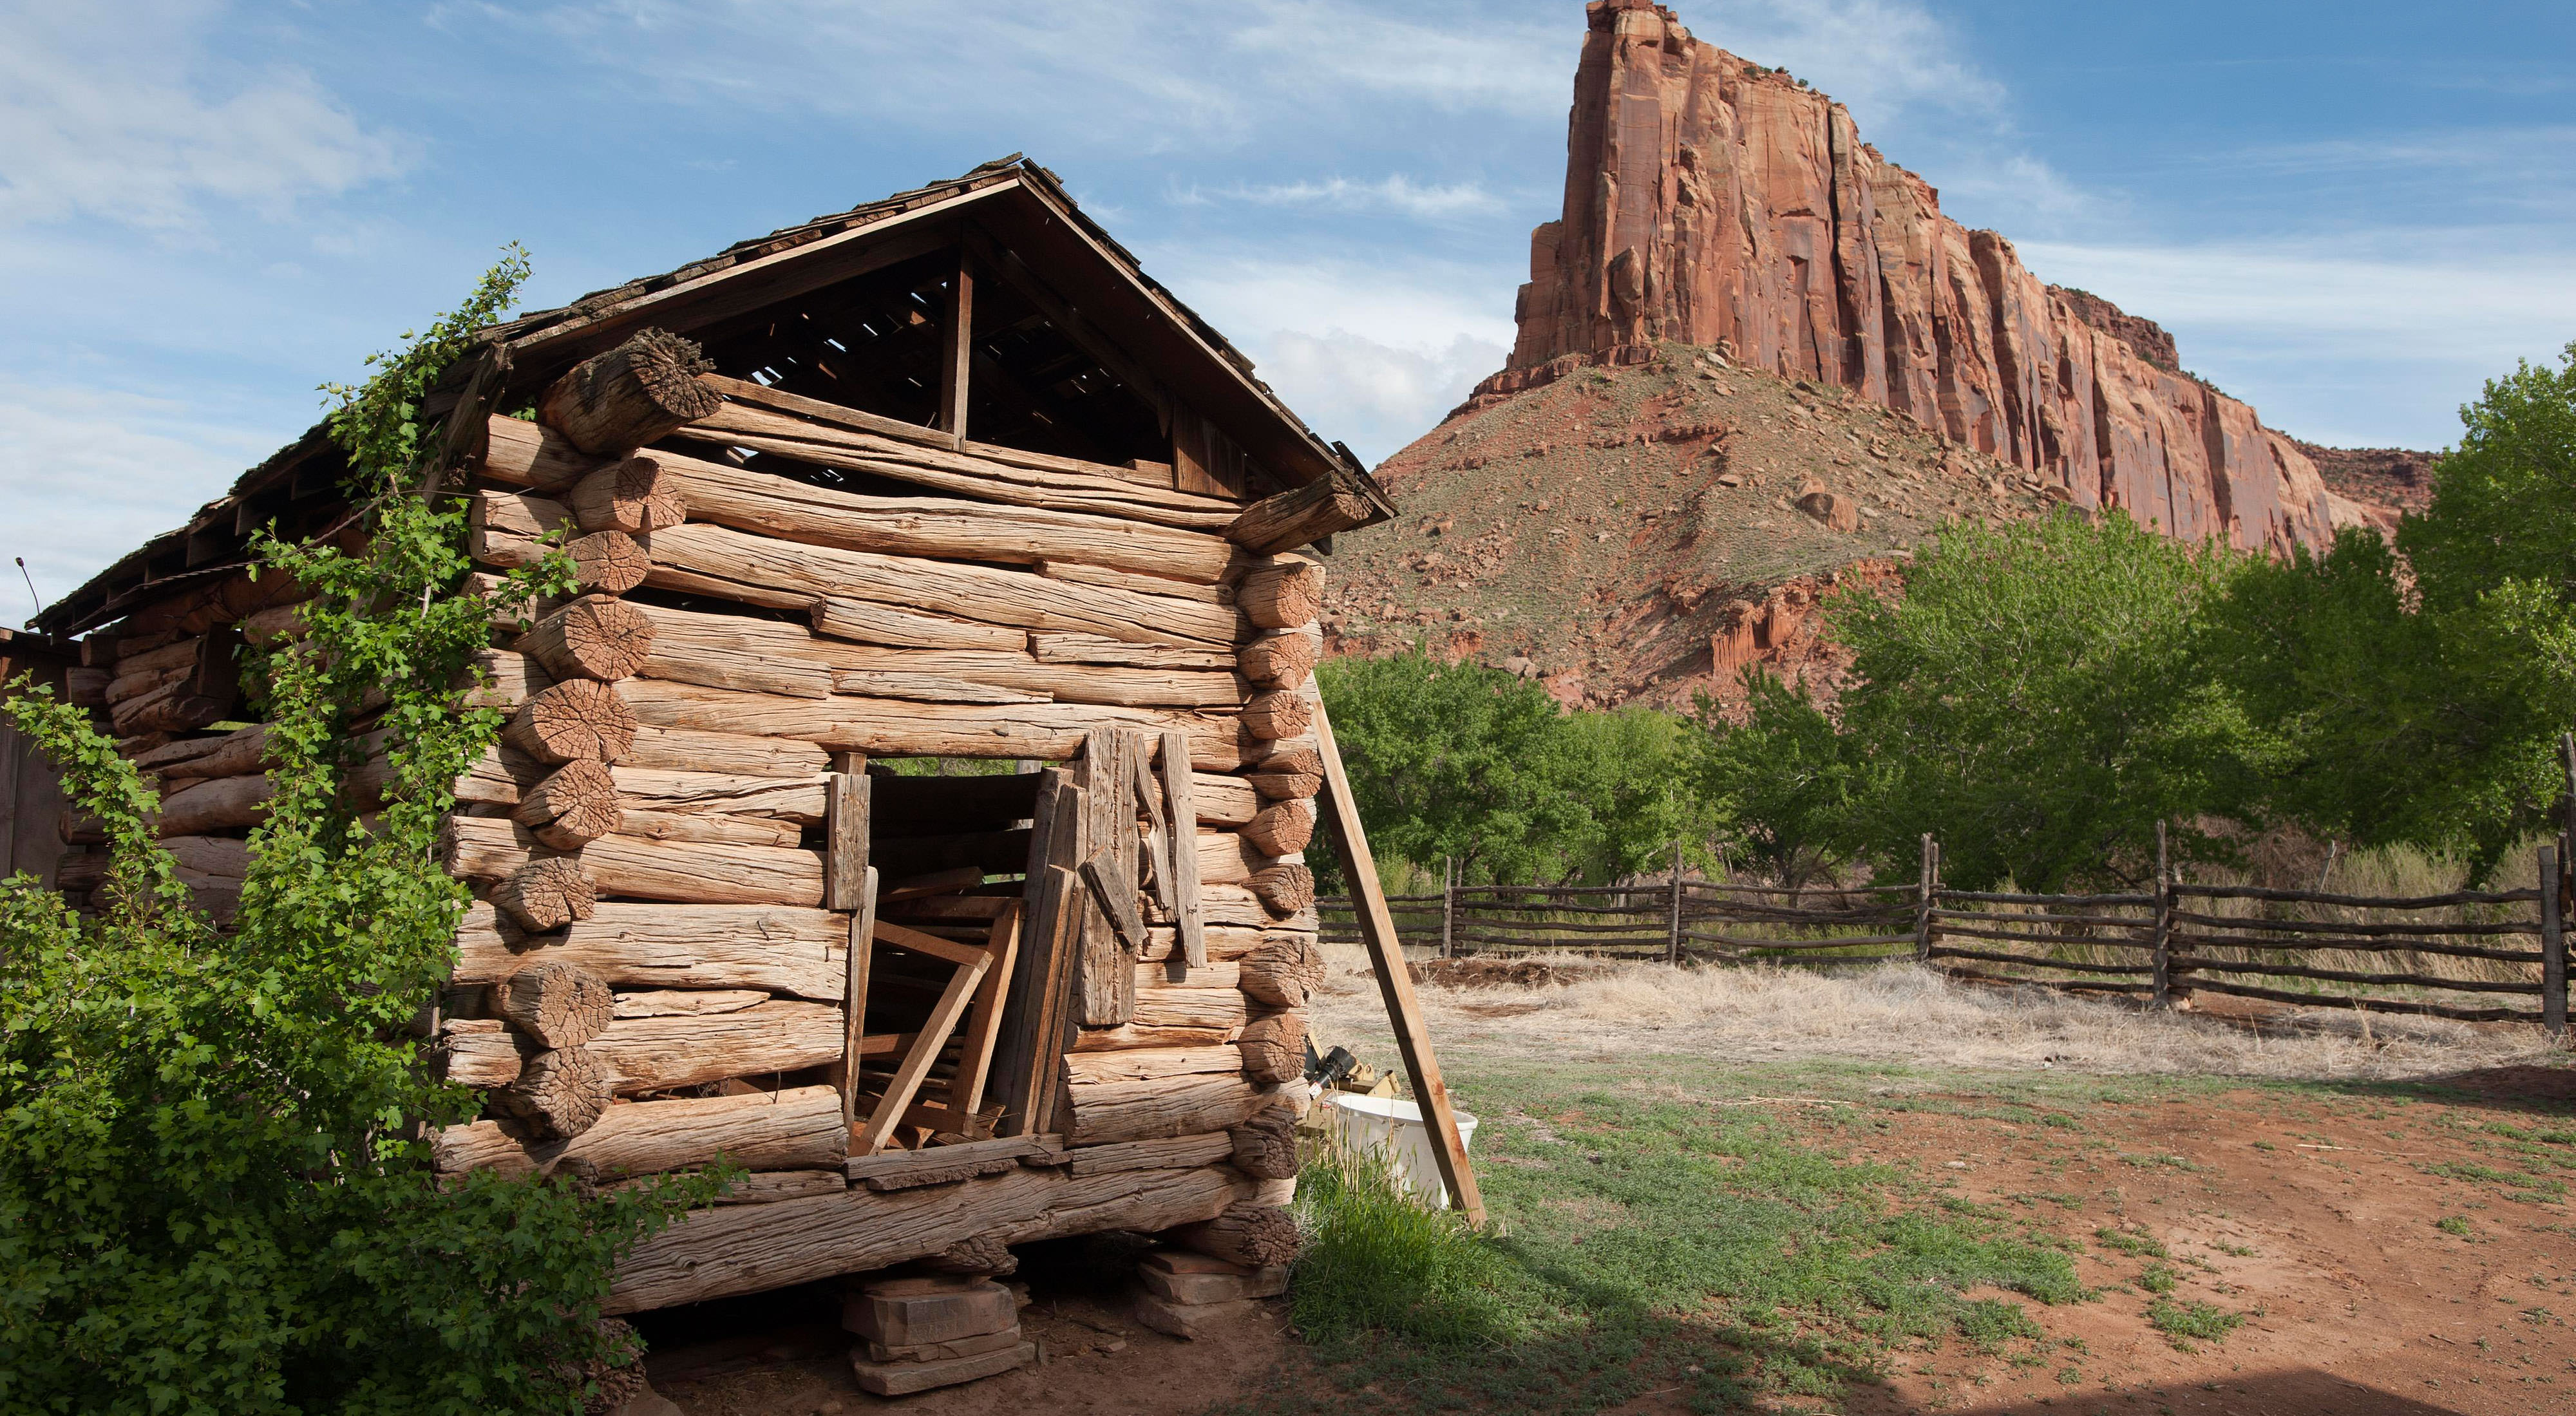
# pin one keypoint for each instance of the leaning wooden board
(1386, 959)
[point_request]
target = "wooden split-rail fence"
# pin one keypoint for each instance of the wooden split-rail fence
(2468, 955)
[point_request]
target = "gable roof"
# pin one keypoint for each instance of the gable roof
(1011, 209)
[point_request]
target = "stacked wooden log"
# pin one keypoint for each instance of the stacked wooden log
(648, 978)
(167, 685)
(1184, 1293)
(920, 1333)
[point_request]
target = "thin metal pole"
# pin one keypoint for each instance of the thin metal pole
(1926, 885)
(1673, 934)
(2553, 948)
(2163, 941)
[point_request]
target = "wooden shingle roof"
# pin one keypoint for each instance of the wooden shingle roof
(1013, 202)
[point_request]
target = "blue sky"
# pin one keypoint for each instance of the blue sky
(2348, 213)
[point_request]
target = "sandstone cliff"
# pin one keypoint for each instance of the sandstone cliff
(1713, 202)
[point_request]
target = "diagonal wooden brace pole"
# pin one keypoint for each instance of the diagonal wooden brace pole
(1386, 957)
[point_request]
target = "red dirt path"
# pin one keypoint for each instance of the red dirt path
(2313, 1212)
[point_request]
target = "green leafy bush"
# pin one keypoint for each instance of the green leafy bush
(216, 1191)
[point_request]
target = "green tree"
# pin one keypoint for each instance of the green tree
(1632, 768)
(1781, 781)
(2426, 715)
(216, 1191)
(1453, 760)
(1467, 762)
(2033, 700)
(2501, 499)
(2356, 734)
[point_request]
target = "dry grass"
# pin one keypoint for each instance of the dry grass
(1599, 1011)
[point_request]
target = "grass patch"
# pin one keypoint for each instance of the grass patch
(2531, 1189)
(1644, 1244)
(2151, 1162)
(2183, 1323)
(1988, 1323)
(2453, 1224)
(2158, 1278)
(2136, 1243)
(1376, 1262)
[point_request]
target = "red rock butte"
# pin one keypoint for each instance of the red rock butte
(1712, 201)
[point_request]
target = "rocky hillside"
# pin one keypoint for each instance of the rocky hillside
(2382, 481)
(1639, 532)
(1755, 361)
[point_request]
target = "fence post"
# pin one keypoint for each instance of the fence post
(1673, 934)
(2553, 948)
(1448, 906)
(1926, 885)
(2162, 940)
(2567, 834)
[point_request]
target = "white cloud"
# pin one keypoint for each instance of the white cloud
(89, 475)
(1457, 58)
(1376, 397)
(1088, 74)
(2021, 182)
(1417, 304)
(111, 112)
(2436, 294)
(1398, 193)
(1371, 352)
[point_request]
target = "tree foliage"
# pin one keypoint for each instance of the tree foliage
(2427, 713)
(1782, 781)
(2032, 700)
(2500, 513)
(215, 1188)
(1470, 763)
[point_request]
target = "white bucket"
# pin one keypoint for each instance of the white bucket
(1393, 1128)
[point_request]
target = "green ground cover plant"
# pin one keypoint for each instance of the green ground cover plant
(216, 1193)
(1644, 1245)
(2183, 1323)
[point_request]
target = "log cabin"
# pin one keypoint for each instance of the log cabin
(943, 478)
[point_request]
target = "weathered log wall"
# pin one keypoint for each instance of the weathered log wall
(778, 630)
(655, 829)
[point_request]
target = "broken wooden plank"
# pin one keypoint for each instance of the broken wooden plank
(1180, 808)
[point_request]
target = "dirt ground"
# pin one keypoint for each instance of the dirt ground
(2318, 1216)
(792, 1359)
(2388, 1250)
